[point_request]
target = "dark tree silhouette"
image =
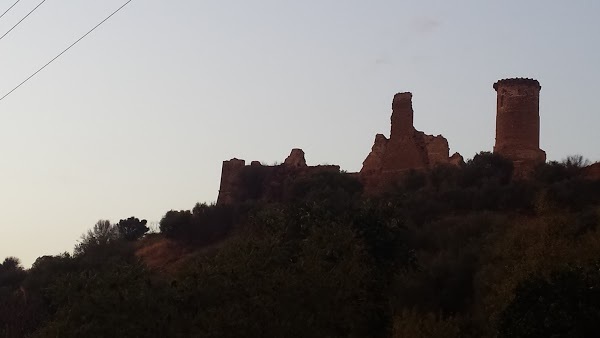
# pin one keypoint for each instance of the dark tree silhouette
(101, 235)
(132, 228)
(565, 305)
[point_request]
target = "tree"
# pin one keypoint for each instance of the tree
(487, 167)
(118, 300)
(177, 224)
(204, 224)
(11, 272)
(576, 161)
(102, 234)
(12, 298)
(565, 305)
(273, 284)
(132, 228)
(11, 263)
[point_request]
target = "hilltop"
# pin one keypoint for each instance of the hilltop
(417, 244)
(457, 251)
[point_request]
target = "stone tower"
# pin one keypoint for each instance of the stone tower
(229, 191)
(518, 123)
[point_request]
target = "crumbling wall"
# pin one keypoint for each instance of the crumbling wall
(437, 149)
(296, 159)
(592, 172)
(406, 149)
(240, 182)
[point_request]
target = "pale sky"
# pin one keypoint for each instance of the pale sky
(137, 119)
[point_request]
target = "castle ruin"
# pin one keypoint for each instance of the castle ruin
(518, 123)
(406, 149)
(517, 138)
(241, 182)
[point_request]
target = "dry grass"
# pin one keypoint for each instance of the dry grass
(162, 254)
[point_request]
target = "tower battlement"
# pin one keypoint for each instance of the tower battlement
(517, 81)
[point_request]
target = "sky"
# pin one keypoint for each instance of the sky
(137, 118)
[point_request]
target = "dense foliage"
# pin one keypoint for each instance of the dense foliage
(455, 252)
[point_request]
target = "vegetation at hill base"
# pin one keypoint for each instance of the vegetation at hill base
(454, 252)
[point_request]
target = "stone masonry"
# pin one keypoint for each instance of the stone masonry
(230, 181)
(406, 149)
(241, 182)
(517, 138)
(518, 123)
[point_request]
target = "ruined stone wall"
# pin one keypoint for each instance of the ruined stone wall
(406, 149)
(517, 138)
(402, 125)
(592, 172)
(518, 123)
(437, 149)
(240, 182)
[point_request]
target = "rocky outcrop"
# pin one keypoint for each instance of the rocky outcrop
(406, 149)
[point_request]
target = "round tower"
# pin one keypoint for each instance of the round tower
(518, 123)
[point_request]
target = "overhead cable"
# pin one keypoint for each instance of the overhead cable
(64, 51)
(25, 17)
(9, 8)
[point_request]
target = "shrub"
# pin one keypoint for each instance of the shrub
(565, 305)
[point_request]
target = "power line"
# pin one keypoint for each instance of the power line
(64, 51)
(9, 8)
(25, 17)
